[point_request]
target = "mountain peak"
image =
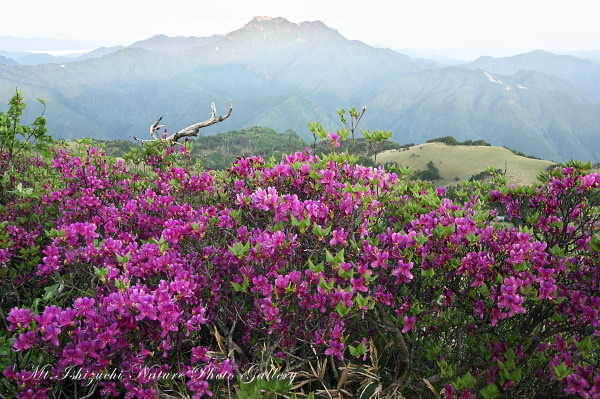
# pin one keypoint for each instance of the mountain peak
(266, 19)
(314, 24)
(261, 19)
(265, 25)
(540, 52)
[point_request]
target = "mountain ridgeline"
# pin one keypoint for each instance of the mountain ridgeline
(282, 75)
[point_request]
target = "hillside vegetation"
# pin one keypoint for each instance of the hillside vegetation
(457, 162)
(219, 151)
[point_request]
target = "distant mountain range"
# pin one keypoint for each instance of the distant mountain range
(581, 72)
(172, 44)
(32, 59)
(283, 75)
(593, 55)
(7, 61)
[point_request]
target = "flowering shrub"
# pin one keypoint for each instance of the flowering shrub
(293, 264)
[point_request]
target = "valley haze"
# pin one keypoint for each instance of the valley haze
(282, 75)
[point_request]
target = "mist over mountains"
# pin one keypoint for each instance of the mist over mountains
(283, 75)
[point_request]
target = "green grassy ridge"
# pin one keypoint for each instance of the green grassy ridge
(451, 140)
(456, 163)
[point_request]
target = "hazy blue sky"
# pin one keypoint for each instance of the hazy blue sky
(460, 28)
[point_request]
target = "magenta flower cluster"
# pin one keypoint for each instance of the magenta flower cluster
(216, 271)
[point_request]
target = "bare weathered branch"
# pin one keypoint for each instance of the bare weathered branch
(192, 131)
(143, 141)
(154, 128)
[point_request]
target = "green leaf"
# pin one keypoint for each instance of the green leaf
(428, 274)
(326, 286)
(305, 223)
(490, 392)
(585, 345)
(559, 300)
(516, 375)
(465, 382)
(533, 219)
(358, 351)
(561, 371)
(360, 301)
(241, 287)
(102, 273)
(509, 354)
(346, 274)
(595, 243)
(163, 245)
(318, 231)
(239, 250)
(341, 308)
(557, 251)
(339, 257)
(236, 287)
(420, 239)
(472, 238)
(50, 292)
(316, 269)
(334, 260)
(483, 290)
(6, 179)
(328, 256)
(369, 277)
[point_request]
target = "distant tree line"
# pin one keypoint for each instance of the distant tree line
(449, 140)
(219, 151)
(521, 154)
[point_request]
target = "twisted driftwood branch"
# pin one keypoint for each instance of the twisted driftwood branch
(190, 131)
